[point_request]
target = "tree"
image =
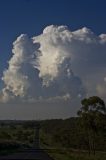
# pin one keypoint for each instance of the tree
(93, 116)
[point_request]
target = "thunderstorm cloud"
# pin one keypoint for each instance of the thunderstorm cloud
(57, 65)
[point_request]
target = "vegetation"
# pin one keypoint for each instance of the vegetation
(74, 138)
(92, 119)
(68, 154)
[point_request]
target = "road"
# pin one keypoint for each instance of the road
(30, 154)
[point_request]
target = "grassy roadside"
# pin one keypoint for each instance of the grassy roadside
(64, 154)
(9, 147)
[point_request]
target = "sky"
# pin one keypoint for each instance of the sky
(52, 55)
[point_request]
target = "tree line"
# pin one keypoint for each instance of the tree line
(86, 131)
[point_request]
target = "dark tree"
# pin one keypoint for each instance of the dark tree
(92, 115)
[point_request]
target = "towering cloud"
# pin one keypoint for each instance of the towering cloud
(56, 65)
(20, 75)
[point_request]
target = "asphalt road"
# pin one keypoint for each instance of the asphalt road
(32, 154)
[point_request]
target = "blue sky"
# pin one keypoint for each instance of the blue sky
(32, 16)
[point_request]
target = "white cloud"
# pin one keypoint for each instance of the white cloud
(17, 76)
(104, 79)
(101, 89)
(45, 66)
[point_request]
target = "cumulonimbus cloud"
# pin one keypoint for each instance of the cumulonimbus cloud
(58, 64)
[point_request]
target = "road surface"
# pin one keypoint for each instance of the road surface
(30, 154)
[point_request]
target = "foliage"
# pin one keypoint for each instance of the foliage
(77, 133)
(92, 119)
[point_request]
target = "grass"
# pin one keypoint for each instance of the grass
(66, 154)
(8, 147)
